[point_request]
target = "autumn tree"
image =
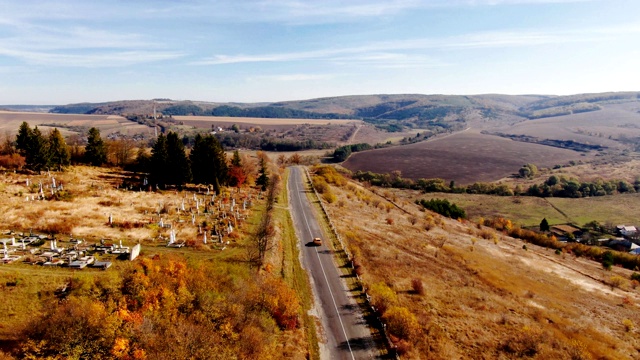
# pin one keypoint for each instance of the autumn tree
(95, 152)
(295, 159)
(121, 151)
(528, 171)
(237, 175)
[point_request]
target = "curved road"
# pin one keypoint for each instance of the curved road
(345, 334)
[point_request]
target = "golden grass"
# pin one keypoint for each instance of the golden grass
(486, 298)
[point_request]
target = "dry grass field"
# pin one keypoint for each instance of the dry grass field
(94, 197)
(472, 298)
(465, 157)
(10, 122)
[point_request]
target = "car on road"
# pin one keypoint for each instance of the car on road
(317, 241)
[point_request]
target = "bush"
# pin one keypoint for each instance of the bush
(14, 161)
(382, 297)
(443, 207)
(417, 286)
(607, 260)
(401, 322)
(329, 197)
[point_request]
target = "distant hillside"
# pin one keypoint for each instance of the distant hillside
(392, 112)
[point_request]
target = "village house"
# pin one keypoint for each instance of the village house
(566, 232)
(626, 230)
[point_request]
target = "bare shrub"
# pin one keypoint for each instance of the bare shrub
(413, 219)
(617, 282)
(13, 161)
(429, 225)
(329, 197)
(523, 343)
(390, 221)
(417, 286)
(440, 241)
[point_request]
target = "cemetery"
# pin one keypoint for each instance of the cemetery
(132, 210)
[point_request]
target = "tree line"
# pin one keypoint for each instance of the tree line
(43, 152)
(168, 163)
(554, 186)
(272, 112)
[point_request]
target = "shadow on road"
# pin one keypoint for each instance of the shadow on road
(361, 343)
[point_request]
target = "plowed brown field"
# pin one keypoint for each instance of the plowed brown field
(464, 157)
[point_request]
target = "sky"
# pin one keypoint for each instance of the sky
(69, 51)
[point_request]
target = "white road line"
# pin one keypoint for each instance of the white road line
(324, 273)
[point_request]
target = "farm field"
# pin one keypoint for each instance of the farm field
(602, 127)
(529, 211)
(463, 296)
(10, 122)
(464, 157)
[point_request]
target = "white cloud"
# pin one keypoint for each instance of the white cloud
(89, 60)
(294, 77)
(411, 52)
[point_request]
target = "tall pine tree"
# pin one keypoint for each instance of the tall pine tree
(38, 157)
(209, 162)
(58, 150)
(159, 159)
(95, 153)
(179, 171)
(24, 138)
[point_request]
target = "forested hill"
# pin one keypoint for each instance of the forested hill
(409, 109)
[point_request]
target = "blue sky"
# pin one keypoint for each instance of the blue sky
(64, 51)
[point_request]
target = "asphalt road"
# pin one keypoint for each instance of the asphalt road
(345, 334)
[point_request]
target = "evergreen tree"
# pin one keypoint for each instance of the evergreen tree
(58, 150)
(143, 161)
(159, 159)
(24, 138)
(263, 179)
(208, 161)
(38, 156)
(235, 160)
(179, 171)
(95, 151)
(544, 225)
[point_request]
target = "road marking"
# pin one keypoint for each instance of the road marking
(324, 273)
